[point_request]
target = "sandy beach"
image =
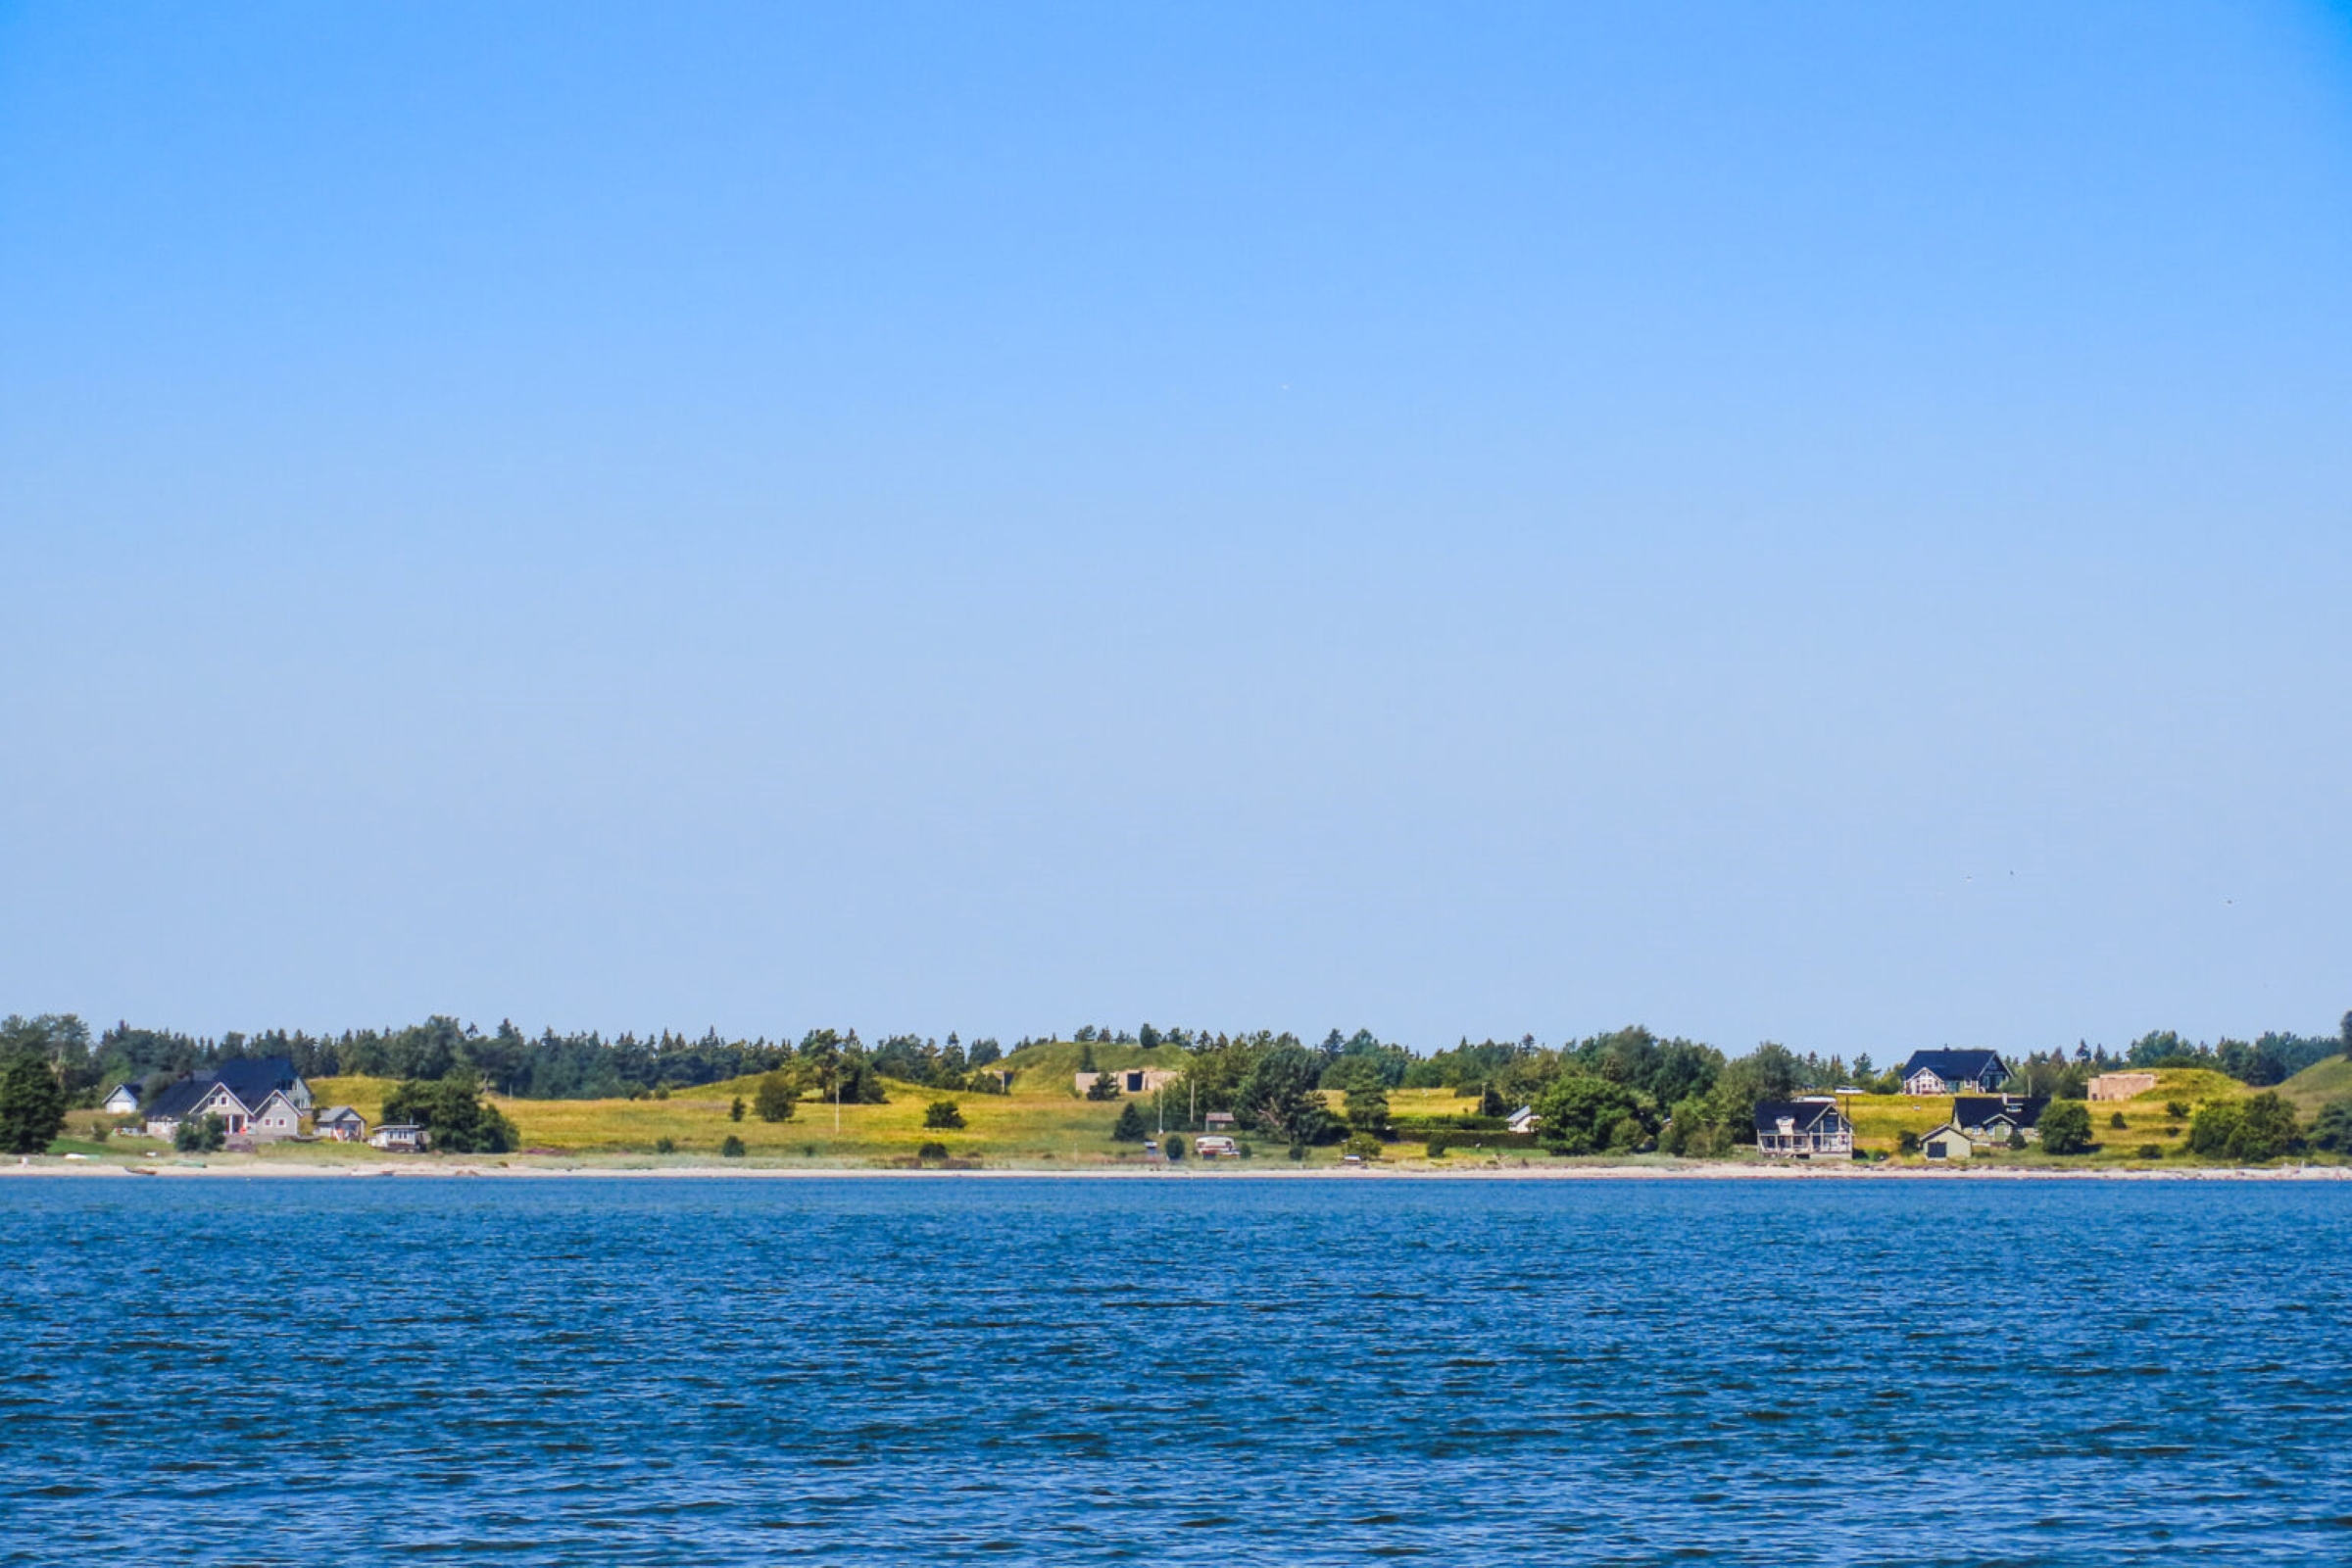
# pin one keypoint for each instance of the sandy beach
(430, 1169)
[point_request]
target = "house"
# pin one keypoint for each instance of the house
(1524, 1121)
(1208, 1147)
(1128, 1080)
(1991, 1118)
(1947, 1141)
(2121, 1085)
(342, 1124)
(123, 1102)
(1954, 1072)
(1802, 1128)
(1220, 1121)
(261, 1098)
(401, 1136)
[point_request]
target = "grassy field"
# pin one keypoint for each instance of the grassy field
(2323, 1083)
(1043, 1125)
(1879, 1120)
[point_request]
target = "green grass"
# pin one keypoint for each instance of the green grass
(1050, 1064)
(2323, 1083)
(1879, 1120)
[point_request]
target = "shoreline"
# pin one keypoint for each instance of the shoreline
(50, 1166)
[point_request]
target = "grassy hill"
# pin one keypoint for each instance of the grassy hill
(1050, 1064)
(2319, 1083)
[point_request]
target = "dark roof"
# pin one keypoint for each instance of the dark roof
(178, 1098)
(253, 1080)
(1956, 1066)
(1975, 1110)
(1804, 1112)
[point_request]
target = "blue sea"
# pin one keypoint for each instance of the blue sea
(1174, 1371)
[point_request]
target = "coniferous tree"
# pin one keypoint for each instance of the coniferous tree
(33, 1105)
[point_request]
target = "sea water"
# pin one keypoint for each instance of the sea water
(1174, 1370)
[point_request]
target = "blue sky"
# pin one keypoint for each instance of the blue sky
(1815, 522)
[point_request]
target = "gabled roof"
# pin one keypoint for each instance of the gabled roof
(1979, 1110)
(251, 1080)
(1803, 1113)
(1956, 1066)
(338, 1113)
(179, 1098)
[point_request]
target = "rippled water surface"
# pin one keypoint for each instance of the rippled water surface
(1288, 1371)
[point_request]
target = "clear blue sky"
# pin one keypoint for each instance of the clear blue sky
(1823, 522)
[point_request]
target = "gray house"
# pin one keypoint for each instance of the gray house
(123, 1100)
(262, 1099)
(342, 1124)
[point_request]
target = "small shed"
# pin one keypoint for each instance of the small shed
(341, 1123)
(123, 1102)
(1220, 1121)
(399, 1136)
(1947, 1141)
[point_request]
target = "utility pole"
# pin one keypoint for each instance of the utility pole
(836, 1101)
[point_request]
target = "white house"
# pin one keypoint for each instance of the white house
(123, 1102)
(1524, 1121)
(401, 1136)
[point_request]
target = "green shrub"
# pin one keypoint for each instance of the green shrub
(200, 1135)
(1129, 1128)
(777, 1097)
(735, 1112)
(943, 1114)
(732, 1149)
(2117, 1121)
(1175, 1147)
(1907, 1141)
(1362, 1144)
(2066, 1128)
(932, 1152)
(1434, 1149)
(2151, 1150)
(1298, 1151)
(662, 1093)
(2260, 1127)
(451, 1111)
(2178, 1109)
(665, 1145)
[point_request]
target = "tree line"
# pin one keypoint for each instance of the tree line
(1625, 1089)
